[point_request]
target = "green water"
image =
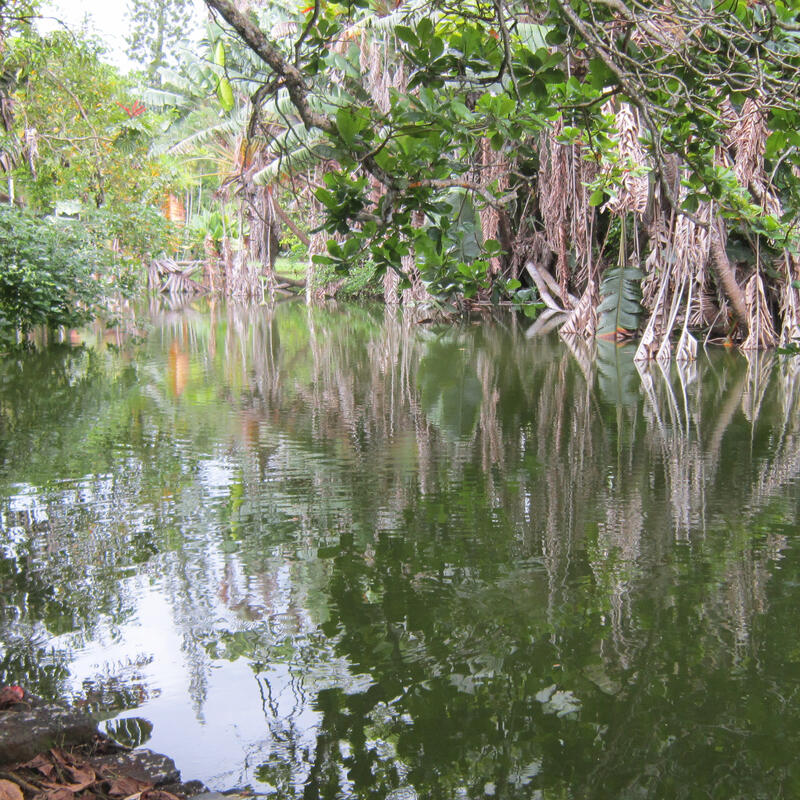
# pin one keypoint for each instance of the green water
(336, 554)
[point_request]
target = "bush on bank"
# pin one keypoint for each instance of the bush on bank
(46, 273)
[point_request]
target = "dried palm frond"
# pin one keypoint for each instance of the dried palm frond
(391, 283)
(657, 264)
(665, 350)
(554, 171)
(687, 344)
(582, 215)
(692, 243)
(654, 333)
(761, 332)
(377, 71)
(31, 148)
(582, 320)
(282, 30)
(790, 304)
(635, 187)
(728, 114)
(493, 170)
(748, 137)
(657, 282)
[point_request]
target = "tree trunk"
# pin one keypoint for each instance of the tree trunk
(719, 258)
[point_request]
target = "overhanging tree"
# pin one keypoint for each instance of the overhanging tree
(658, 141)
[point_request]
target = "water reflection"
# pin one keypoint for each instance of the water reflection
(336, 553)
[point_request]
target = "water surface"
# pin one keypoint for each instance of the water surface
(333, 553)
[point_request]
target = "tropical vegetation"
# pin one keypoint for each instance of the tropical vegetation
(622, 169)
(635, 164)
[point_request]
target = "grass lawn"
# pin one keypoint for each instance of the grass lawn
(290, 268)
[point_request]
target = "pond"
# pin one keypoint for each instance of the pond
(334, 553)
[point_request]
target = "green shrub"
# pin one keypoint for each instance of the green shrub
(293, 248)
(139, 231)
(45, 273)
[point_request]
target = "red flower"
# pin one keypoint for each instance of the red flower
(136, 110)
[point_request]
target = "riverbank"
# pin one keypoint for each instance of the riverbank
(54, 752)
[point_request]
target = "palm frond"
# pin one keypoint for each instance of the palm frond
(227, 129)
(407, 12)
(160, 99)
(532, 35)
(292, 161)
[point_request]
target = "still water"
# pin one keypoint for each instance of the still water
(333, 553)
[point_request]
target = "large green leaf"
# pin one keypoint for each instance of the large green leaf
(225, 93)
(350, 122)
(621, 306)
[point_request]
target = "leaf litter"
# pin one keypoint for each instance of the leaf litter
(70, 775)
(61, 775)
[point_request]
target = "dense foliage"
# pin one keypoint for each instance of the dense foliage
(585, 136)
(74, 142)
(79, 133)
(631, 169)
(46, 276)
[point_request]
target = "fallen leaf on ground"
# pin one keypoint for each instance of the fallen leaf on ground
(125, 787)
(60, 757)
(82, 776)
(10, 695)
(158, 794)
(80, 779)
(10, 791)
(41, 763)
(58, 793)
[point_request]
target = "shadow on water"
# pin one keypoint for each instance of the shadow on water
(375, 556)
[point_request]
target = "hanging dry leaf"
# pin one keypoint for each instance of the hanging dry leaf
(10, 791)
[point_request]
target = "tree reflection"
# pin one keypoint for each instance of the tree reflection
(457, 559)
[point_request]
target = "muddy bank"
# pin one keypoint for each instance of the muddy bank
(49, 751)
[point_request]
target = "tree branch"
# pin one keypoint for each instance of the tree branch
(309, 25)
(725, 272)
(292, 78)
